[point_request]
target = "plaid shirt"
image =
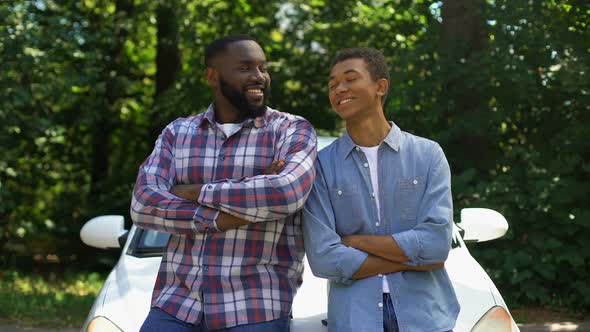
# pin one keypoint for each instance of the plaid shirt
(244, 275)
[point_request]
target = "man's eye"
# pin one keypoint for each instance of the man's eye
(243, 68)
(263, 69)
(351, 79)
(333, 86)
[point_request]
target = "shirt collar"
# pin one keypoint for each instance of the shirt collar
(258, 122)
(393, 140)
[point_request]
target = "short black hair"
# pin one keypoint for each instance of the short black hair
(219, 45)
(373, 58)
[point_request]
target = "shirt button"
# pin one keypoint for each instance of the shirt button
(205, 268)
(211, 237)
(415, 181)
(357, 148)
(221, 157)
(339, 192)
(377, 224)
(210, 186)
(366, 164)
(380, 305)
(373, 194)
(380, 275)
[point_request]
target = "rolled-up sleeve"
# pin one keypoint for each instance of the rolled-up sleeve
(429, 241)
(271, 197)
(154, 207)
(327, 256)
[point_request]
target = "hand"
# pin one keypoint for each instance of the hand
(190, 192)
(275, 167)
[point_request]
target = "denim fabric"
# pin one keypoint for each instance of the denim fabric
(158, 320)
(389, 319)
(416, 210)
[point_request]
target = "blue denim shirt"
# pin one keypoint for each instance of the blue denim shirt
(416, 209)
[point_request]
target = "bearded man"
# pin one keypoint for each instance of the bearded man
(228, 185)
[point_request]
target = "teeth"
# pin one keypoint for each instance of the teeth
(344, 101)
(257, 91)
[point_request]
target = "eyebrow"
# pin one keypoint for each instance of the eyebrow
(348, 71)
(253, 61)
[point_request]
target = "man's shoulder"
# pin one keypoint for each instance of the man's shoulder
(331, 151)
(276, 116)
(183, 123)
(417, 143)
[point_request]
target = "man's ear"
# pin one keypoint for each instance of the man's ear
(212, 77)
(382, 87)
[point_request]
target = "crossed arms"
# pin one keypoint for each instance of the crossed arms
(384, 256)
(421, 248)
(224, 221)
(158, 203)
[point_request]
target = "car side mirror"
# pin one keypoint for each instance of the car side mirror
(104, 232)
(482, 225)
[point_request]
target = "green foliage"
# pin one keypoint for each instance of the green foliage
(503, 88)
(56, 301)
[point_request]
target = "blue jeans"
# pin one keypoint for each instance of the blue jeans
(389, 318)
(158, 320)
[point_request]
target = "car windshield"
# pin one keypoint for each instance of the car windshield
(152, 239)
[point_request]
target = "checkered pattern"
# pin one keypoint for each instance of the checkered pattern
(241, 276)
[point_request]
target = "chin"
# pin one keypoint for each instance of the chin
(256, 110)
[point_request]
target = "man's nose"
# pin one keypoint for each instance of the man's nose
(258, 75)
(341, 87)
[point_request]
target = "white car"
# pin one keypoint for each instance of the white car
(124, 301)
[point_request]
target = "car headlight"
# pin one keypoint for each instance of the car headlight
(496, 319)
(101, 324)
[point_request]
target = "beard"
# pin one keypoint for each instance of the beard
(239, 100)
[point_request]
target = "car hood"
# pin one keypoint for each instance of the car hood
(474, 289)
(128, 290)
(126, 295)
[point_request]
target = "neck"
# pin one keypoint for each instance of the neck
(370, 130)
(225, 112)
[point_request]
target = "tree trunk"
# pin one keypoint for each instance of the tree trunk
(463, 38)
(168, 61)
(105, 118)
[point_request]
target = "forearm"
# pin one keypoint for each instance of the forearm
(191, 192)
(227, 221)
(381, 246)
(163, 212)
(260, 198)
(374, 265)
(270, 196)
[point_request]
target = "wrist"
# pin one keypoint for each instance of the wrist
(197, 192)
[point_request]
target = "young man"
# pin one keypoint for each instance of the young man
(378, 221)
(227, 185)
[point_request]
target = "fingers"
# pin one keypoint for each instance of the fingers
(174, 190)
(275, 167)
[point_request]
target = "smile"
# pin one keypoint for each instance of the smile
(256, 92)
(344, 101)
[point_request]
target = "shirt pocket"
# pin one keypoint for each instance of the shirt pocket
(411, 191)
(347, 208)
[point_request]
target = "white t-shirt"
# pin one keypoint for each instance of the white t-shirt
(373, 159)
(230, 128)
